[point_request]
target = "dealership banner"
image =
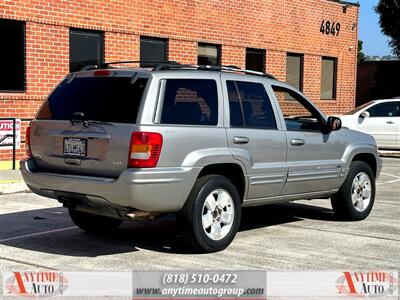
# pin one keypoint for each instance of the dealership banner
(199, 284)
(150, 285)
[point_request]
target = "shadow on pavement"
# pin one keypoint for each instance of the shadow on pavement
(62, 238)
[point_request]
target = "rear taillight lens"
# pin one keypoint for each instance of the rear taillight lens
(145, 149)
(28, 142)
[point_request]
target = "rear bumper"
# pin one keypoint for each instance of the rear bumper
(153, 190)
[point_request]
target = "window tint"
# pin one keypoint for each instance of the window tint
(12, 52)
(249, 105)
(255, 59)
(294, 70)
(152, 49)
(108, 99)
(328, 78)
(85, 48)
(190, 101)
(389, 109)
(208, 54)
(299, 114)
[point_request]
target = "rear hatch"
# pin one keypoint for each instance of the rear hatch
(85, 125)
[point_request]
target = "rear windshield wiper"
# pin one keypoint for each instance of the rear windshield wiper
(79, 118)
(88, 122)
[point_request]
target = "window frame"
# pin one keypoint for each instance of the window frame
(263, 52)
(219, 52)
(145, 37)
(301, 77)
(88, 31)
(244, 126)
(23, 54)
(334, 85)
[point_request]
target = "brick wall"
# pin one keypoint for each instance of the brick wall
(276, 26)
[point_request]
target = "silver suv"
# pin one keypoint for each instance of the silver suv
(116, 144)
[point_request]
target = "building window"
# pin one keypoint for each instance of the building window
(294, 70)
(12, 52)
(152, 50)
(85, 48)
(255, 60)
(328, 78)
(208, 54)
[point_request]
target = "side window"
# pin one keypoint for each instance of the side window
(389, 109)
(249, 105)
(298, 113)
(190, 101)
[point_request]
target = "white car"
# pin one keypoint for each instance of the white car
(379, 118)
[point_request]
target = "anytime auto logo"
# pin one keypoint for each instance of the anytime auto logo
(370, 284)
(45, 283)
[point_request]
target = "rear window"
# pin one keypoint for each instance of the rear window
(106, 99)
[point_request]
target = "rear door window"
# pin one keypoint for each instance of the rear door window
(190, 102)
(106, 99)
(249, 105)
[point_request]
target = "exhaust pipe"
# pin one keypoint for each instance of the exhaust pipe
(141, 215)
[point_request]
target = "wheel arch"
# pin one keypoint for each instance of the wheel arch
(369, 159)
(232, 171)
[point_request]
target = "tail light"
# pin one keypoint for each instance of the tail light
(28, 142)
(145, 149)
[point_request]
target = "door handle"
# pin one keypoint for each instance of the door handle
(390, 122)
(297, 142)
(240, 140)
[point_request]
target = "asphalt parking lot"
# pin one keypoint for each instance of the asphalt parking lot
(37, 233)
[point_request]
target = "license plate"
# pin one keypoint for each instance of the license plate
(75, 147)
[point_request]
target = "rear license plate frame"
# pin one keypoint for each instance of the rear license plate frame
(68, 143)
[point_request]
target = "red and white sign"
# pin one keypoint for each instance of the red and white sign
(6, 127)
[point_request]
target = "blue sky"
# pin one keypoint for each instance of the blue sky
(375, 43)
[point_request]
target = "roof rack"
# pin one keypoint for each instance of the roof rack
(107, 65)
(228, 68)
(173, 65)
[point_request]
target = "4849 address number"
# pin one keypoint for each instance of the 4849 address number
(328, 27)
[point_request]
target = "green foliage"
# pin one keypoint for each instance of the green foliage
(389, 11)
(360, 55)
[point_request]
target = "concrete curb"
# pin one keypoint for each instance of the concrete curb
(387, 153)
(13, 187)
(11, 182)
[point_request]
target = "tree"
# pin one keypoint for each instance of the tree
(389, 11)
(361, 55)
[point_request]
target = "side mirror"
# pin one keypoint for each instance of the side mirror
(333, 123)
(364, 115)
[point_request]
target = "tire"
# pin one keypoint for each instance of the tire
(347, 204)
(198, 212)
(93, 223)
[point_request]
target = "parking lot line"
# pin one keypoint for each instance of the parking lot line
(390, 181)
(23, 236)
(23, 262)
(387, 174)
